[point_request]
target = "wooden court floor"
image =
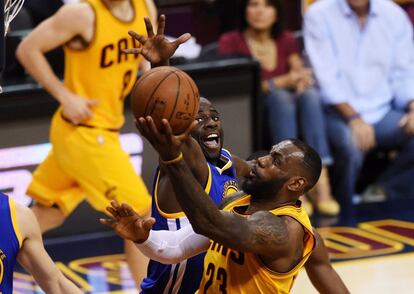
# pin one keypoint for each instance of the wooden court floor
(373, 252)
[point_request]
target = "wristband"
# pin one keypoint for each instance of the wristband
(177, 159)
(352, 117)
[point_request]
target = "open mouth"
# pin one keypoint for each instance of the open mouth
(212, 141)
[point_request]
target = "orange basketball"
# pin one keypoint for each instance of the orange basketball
(166, 92)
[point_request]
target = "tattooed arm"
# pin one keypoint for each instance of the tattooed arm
(269, 236)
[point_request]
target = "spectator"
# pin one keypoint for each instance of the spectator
(293, 106)
(363, 57)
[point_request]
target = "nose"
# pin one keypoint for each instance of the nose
(210, 123)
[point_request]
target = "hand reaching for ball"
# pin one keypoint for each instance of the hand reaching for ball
(164, 141)
(156, 48)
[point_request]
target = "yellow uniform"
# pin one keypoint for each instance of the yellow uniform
(87, 161)
(230, 271)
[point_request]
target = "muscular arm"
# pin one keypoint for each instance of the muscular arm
(320, 271)
(34, 258)
(50, 34)
(263, 233)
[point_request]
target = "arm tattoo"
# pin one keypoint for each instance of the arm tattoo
(268, 229)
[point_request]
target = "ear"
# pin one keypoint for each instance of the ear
(297, 184)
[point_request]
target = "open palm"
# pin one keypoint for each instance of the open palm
(155, 47)
(127, 223)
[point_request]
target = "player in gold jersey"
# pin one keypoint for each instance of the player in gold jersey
(86, 160)
(259, 242)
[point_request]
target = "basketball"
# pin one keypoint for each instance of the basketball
(166, 92)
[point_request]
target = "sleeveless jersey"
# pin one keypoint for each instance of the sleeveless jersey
(231, 271)
(10, 243)
(185, 277)
(101, 70)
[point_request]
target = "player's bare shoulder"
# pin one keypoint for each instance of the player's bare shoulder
(26, 220)
(82, 12)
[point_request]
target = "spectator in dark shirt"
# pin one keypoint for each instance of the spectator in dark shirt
(293, 106)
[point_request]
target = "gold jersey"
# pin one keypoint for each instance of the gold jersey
(231, 271)
(101, 70)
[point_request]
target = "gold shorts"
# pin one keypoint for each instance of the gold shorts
(87, 163)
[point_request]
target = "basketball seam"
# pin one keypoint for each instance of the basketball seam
(153, 92)
(194, 93)
(176, 97)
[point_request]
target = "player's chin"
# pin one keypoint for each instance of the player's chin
(212, 154)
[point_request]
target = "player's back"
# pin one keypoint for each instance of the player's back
(10, 242)
(101, 70)
(185, 277)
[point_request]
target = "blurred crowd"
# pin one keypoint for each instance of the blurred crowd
(344, 84)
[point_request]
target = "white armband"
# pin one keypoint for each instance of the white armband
(171, 247)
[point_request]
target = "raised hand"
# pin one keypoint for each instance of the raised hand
(127, 223)
(164, 141)
(155, 47)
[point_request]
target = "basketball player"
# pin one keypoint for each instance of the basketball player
(87, 159)
(214, 168)
(21, 240)
(269, 233)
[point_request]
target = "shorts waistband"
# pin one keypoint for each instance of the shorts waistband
(85, 125)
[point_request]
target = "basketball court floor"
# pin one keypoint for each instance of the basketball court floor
(372, 251)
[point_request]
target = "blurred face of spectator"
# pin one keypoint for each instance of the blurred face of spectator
(358, 4)
(260, 14)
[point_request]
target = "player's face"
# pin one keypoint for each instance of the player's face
(208, 132)
(260, 15)
(271, 172)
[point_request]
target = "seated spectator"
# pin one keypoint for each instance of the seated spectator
(292, 104)
(363, 56)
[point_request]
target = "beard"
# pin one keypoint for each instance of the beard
(262, 190)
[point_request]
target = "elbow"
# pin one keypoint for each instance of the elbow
(23, 52)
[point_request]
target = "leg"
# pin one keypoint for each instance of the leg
(281, 110)
(348, 160)
(48, 217)
(137, 262)
(312, 124)
(106, 173)
(397, 179)
(313, 131)
(50, 184)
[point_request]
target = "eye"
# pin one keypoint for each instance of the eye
(216, 118)
(199, 120)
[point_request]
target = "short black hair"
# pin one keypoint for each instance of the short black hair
(278, 26)
(312, 162)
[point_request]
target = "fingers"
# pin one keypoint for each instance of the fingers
(148, 26)
(181, 39)
(92, 102)
(186, 133)
(148, 223)
(161, 25)
(138, 37)
(132, 50)
(108, 222)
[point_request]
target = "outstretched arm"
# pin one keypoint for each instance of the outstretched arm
(320, 271)
(34, 258)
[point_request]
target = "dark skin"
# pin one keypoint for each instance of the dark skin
(157, 49)
(278, 241)
(129, 225)
(320, 271)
